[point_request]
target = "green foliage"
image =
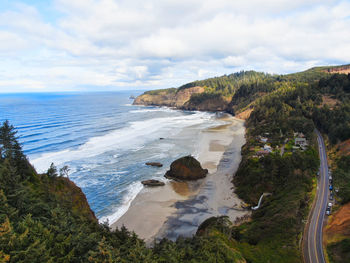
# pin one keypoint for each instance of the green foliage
(160, 91)
(215, 247)
(249, 92)
(342, 178)
(310, 75)
(11, 150)
(227, 85)
(292, 105)
(278, 223)
(45, 218)
(52, 171)
(335, 122)
(273, 234)
(198, 98)
(339, 252)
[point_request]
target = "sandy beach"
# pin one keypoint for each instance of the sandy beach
(179, 207)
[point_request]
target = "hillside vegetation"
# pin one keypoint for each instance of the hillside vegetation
(288, 172)
(231, 92)
(279, 107)
(46, 218)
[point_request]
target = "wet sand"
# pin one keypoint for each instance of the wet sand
(179, 207)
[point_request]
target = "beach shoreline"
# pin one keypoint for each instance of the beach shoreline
(156, 210)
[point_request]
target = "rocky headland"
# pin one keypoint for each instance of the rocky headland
(193, 98)
(167, 97)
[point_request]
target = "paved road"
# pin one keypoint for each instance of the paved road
(313, 250)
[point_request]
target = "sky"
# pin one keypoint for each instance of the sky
(101, 45)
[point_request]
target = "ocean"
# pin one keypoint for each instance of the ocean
(104, 139)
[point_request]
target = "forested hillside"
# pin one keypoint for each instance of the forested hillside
(233, 92)
(288, 171)
(281, 107)
(46, 218)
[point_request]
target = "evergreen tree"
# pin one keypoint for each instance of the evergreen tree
(8, 140)
(52, 171)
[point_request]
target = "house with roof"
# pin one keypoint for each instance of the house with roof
(300, 141)
(267, 148)
(263, 139)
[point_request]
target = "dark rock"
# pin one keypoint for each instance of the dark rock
(186, 168)
(161, 138)
(154, 164)
(152, 182)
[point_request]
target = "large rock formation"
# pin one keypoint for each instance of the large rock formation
(186, 168)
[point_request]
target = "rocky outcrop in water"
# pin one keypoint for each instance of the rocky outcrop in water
(154, 164)
(152, 182)
(186, 168)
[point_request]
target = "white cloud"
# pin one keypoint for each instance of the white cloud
(134, 43)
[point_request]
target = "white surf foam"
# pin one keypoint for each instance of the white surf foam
(132, 192)
(131, 137)
(160, 109)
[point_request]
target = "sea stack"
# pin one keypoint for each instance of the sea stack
(152, 182)
(186, 168)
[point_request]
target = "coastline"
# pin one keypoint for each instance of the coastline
(216, 196)
(157, 210)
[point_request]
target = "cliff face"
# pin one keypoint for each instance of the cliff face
(71, 196)
(168, 97)
(341, 69)
(183, 99)
(217, 103)
(161, 99)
